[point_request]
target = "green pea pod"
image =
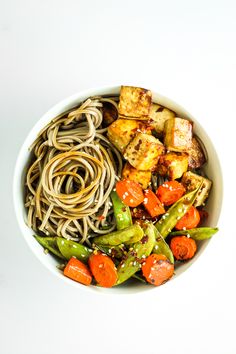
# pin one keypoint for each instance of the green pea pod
(161, 247)
(49, 243)
(112, 251)
(176, 211)
(70, 249)
(198, 234)
(140, 278)
(143, 248)
(121, 211)
(129, 235)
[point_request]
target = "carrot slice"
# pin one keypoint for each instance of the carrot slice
(130, 192)
(169, 192)
(183, 247)
(157, 269)
(103, 270)
(190, 220)
(152, 203)
(78, 271)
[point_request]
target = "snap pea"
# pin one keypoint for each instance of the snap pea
(176, 211)
(128, 235)
(140, 278)
(112, 251)
(140, 249)
(70, 249)
(121, 211)
(161, 247)
(49, 243)
(198, 234)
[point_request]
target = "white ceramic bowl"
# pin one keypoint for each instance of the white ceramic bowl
(213, 171)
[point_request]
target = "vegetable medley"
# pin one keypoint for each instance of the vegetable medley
(158, 203)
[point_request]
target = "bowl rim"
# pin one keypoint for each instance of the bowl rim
(30, 137)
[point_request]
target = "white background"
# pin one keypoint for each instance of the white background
(52, 49)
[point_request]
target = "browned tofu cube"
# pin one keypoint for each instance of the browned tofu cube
(178, 134)
(144, 151)
(196, 155)
(159, 115)
(141, 177)
(122, 131)
(135, 102)
(192, 181)
(110, 113)
(173, 165)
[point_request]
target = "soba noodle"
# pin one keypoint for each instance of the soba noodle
(72, 175)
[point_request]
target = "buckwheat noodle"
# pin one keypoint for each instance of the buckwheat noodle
(72, 174)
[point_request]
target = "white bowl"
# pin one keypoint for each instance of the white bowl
(213, 171)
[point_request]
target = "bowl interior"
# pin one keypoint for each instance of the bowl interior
(212, 169)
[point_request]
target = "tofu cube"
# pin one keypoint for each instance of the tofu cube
(173, 165)
(109, 112)
(177, 134)
(159, 115)
(141, 177)
(135, 102)
(191, 181)
(144, 151)
(122, 131)
(196, 155)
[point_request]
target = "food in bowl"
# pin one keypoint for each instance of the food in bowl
(116, 189)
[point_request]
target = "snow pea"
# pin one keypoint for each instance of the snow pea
(50, 244)
(112, 251)
(70, 249)
(141, 249)
(121, 211)
(198, 234)
(175, 212)
(161, 247)
(128, 235)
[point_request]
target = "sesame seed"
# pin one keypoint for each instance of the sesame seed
(100, 265)
(83, 255)
(145, 200)
(74, 246)
(122, 266)
(156, 247)
(184, 228)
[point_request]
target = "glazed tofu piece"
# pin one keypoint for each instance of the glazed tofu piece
(172, 165)
(196, 155)
(110, 113)
(144, 151)
(191, 181)
(177, 134)
(135, 102)
(141, 177)
(159, 115)
(122, 131)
